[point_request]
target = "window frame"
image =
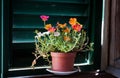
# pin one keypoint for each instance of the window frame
(6, 25)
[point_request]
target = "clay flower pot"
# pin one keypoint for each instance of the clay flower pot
(63, 61)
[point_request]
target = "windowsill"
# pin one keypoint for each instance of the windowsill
(114, 71)
(29, 68)
(91, 74)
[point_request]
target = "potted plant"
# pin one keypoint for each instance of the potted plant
(61, 42)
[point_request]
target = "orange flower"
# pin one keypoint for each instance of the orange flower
(77, 27)
(67, 30)
(48, 26)
(61, 25)
(52, 29)
(66, 38)
(72, 21)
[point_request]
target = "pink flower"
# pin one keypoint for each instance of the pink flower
(44, 17)
(52, 29)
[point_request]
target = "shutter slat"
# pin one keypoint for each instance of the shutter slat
(50, 8)
(56, 1)
(34, 21)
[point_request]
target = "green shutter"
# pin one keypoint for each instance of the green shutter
(26, 15)
(5, 33)
(17, 29)
(25, 20)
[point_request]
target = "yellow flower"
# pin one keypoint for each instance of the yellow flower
(61, 25)
(48, 26)
(66, 38)
(72, 21)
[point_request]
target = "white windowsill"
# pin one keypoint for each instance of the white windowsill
(42, 67)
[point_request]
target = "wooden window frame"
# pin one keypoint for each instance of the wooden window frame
(111, 39)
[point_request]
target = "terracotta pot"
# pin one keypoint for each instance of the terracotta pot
(63, 61)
